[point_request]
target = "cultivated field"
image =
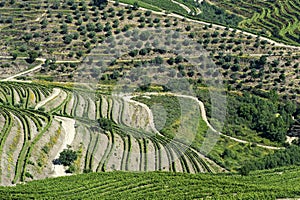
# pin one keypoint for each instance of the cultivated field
(161, 185)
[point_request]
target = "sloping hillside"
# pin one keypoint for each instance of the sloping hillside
(275, 184)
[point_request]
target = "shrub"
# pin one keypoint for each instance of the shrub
(67, 157)
(148, 13)
(27, 37)
(14, 55)
(68, 39)
(87, 171)
(45, 149)
(28, 175)
(32, 56)
(106, 124)
(71, 169)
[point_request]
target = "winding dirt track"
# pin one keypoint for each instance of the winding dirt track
(12, 78)
(163, 13)
(150, 114)
(188, 10)
(128, 98)
(27, 71)
(55, 93)
(68, 125)
(203, 115)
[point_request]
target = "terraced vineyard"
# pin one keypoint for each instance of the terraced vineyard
(38, 121)
(22, 127)
(276, 19)
(31, 119)
(125, 88)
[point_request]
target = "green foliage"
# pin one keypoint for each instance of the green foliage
(171, 106)
(32, 56)
(106, 124)
(216, 14)
(267, 18)
(286, 157)
(228, 154)
(86, 171)
(71, 169)
(27, 37)
(130, 185)
(268, 117)
(6, 65)
(45, 149)
(100, 2)
(142, 4)
(28, 175)
(68, 39)
(209, 12)
(67, 157)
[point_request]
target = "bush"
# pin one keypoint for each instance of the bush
(27, 37)
(32, 56)
(30, 162)
(14, 55)
(67, 157)
(28, 175)
(245, 170)
(106, 124)
(148, 13)
(45, 149)
(100, 2)
(71, 169)
(87, 171)
(68, 39)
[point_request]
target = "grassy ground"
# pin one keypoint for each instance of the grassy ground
(226, 152)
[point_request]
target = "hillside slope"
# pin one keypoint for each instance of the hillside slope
(279, 183)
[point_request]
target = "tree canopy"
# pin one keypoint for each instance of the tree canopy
(100, 2)
(286, 157)
(67, 157)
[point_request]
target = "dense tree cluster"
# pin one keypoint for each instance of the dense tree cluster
(213, 13)
(286, 157)
(268, 117)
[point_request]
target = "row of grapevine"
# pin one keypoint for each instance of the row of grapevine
(129, 149)
(22, 95)
(162, 185)
(276, 19)
(131, 144)
(24, 129)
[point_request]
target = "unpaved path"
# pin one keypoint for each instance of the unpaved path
(27, 71)
(40, 17)
(12, 78)
(54, 94)
(128, 98)
(204, 117)
(69, 128)
(290, 139)
(150, 114)
(214, 25)
(188, 10)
